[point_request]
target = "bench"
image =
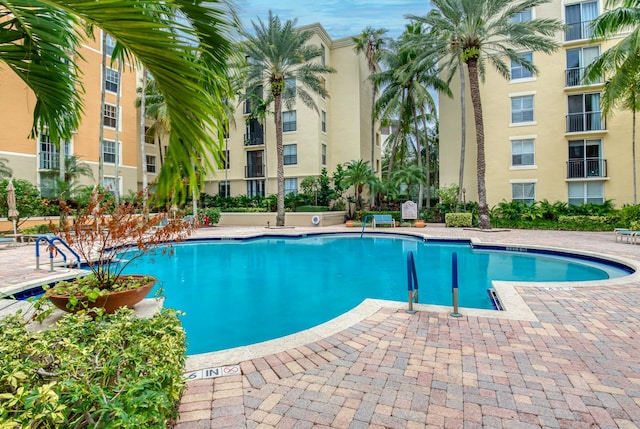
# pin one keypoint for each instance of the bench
(383, 220)
(6, 240)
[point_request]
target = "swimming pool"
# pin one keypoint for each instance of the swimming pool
(240, 292)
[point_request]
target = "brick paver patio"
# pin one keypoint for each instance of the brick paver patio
(577, 366)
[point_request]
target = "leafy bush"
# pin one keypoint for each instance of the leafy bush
(545, 224)
(609, 220)
(458, 219)
(312, 209)
(213, 213)
(448, 196)
(628, 214)
(118, 372)
(43, 228)
(244, 210)
(396, 215)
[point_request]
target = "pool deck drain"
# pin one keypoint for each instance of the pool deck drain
(574, 366)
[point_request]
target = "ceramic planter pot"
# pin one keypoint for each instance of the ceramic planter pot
(349, 224)
(111, 301)
(419, 224)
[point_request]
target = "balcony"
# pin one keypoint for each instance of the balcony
(585, 168)
(585, 121)
(254, 139)
(251, 171)
(574, 76)
(578, 31)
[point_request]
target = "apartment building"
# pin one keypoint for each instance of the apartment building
(545, 135)
(340, 131)
(35, 160)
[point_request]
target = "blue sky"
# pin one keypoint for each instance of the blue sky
(341, 18)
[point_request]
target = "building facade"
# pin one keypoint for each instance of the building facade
(36, 160)
(545, 134)
(340, 131)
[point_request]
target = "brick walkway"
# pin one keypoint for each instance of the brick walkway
(577, 366)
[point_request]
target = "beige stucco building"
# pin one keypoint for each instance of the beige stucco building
(340, 131)
(545, 135)
(34, 160)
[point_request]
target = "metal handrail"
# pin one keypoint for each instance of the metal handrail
(364, 223)
(51, 249)
(412, 282)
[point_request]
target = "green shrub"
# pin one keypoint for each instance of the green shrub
(117, 372)
(458, 219)
(312, 209)
(213, 213)
(396, 215)
(244, 210)
(610, 220)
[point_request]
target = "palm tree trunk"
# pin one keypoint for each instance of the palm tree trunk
(474, 87)
(102, 97)
(280, 156)
(633, 155)
(427, 158)
(395, 140)
(143, 151)
(117, 161)
(373, 140)
(418, 153)
(463, 130)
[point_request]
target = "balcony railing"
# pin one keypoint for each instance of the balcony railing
(251, 171)
(589, 167)
(49, 161)
(578, 31)
(574, 76)
(254, 139)
(585, 121)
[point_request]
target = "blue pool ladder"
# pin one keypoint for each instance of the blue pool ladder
(52, 248)
(364, 223)
(412, 282)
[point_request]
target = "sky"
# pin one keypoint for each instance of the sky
(341, 18)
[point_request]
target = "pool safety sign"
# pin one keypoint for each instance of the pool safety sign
(222, 371)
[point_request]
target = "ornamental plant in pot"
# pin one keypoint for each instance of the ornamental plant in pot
(97, 234)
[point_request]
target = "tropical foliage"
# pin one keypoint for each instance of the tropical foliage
(280, 67)
(182, 44)
(359, 174)
(5, 170)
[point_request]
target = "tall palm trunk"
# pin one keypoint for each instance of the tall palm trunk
(373, 139)
(117, 161)
(418, 153)
(474, 87)
(427, 152)
(280, 156)
(143, 150)
(463, 131)
(394, 145)
(102, 97)
(633, 154)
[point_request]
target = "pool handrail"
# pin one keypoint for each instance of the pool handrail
(364, 224)
(51, 249)
(412, 282)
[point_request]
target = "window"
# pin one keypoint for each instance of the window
(226, 159)
(151, 164)
(110, 184)
(255, 188)
(289, 121)
(148, 136)
(290, 154)
(323, 55)
(577, 60)
(255, 164)
(111, 80)
(585, 159)
(323, 85)
(224, 188)
(109, 151)
(109, 45)
(578, 18)
(523, 16)
(523, 192)
(584, 113)
(290, 87)
(518, 71)
(49, 154)
(291, 186)
(252, 99)
(48, 185)
(522, 109)
(255, 133)
(522, 152)
(586, 192)
(110, 116)
(324, 154)
(324, 121)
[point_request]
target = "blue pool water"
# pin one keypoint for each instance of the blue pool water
(239, 292)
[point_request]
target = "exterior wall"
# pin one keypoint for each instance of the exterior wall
(17, 111)
(347, 137)
(548, 129)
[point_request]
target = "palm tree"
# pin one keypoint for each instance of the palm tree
(359, 174)
(5, 171)
(409, 175)
(39, 41)
(371, 41)
(68, 173)
(620, 65)
(484, 30)
(278, 52)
